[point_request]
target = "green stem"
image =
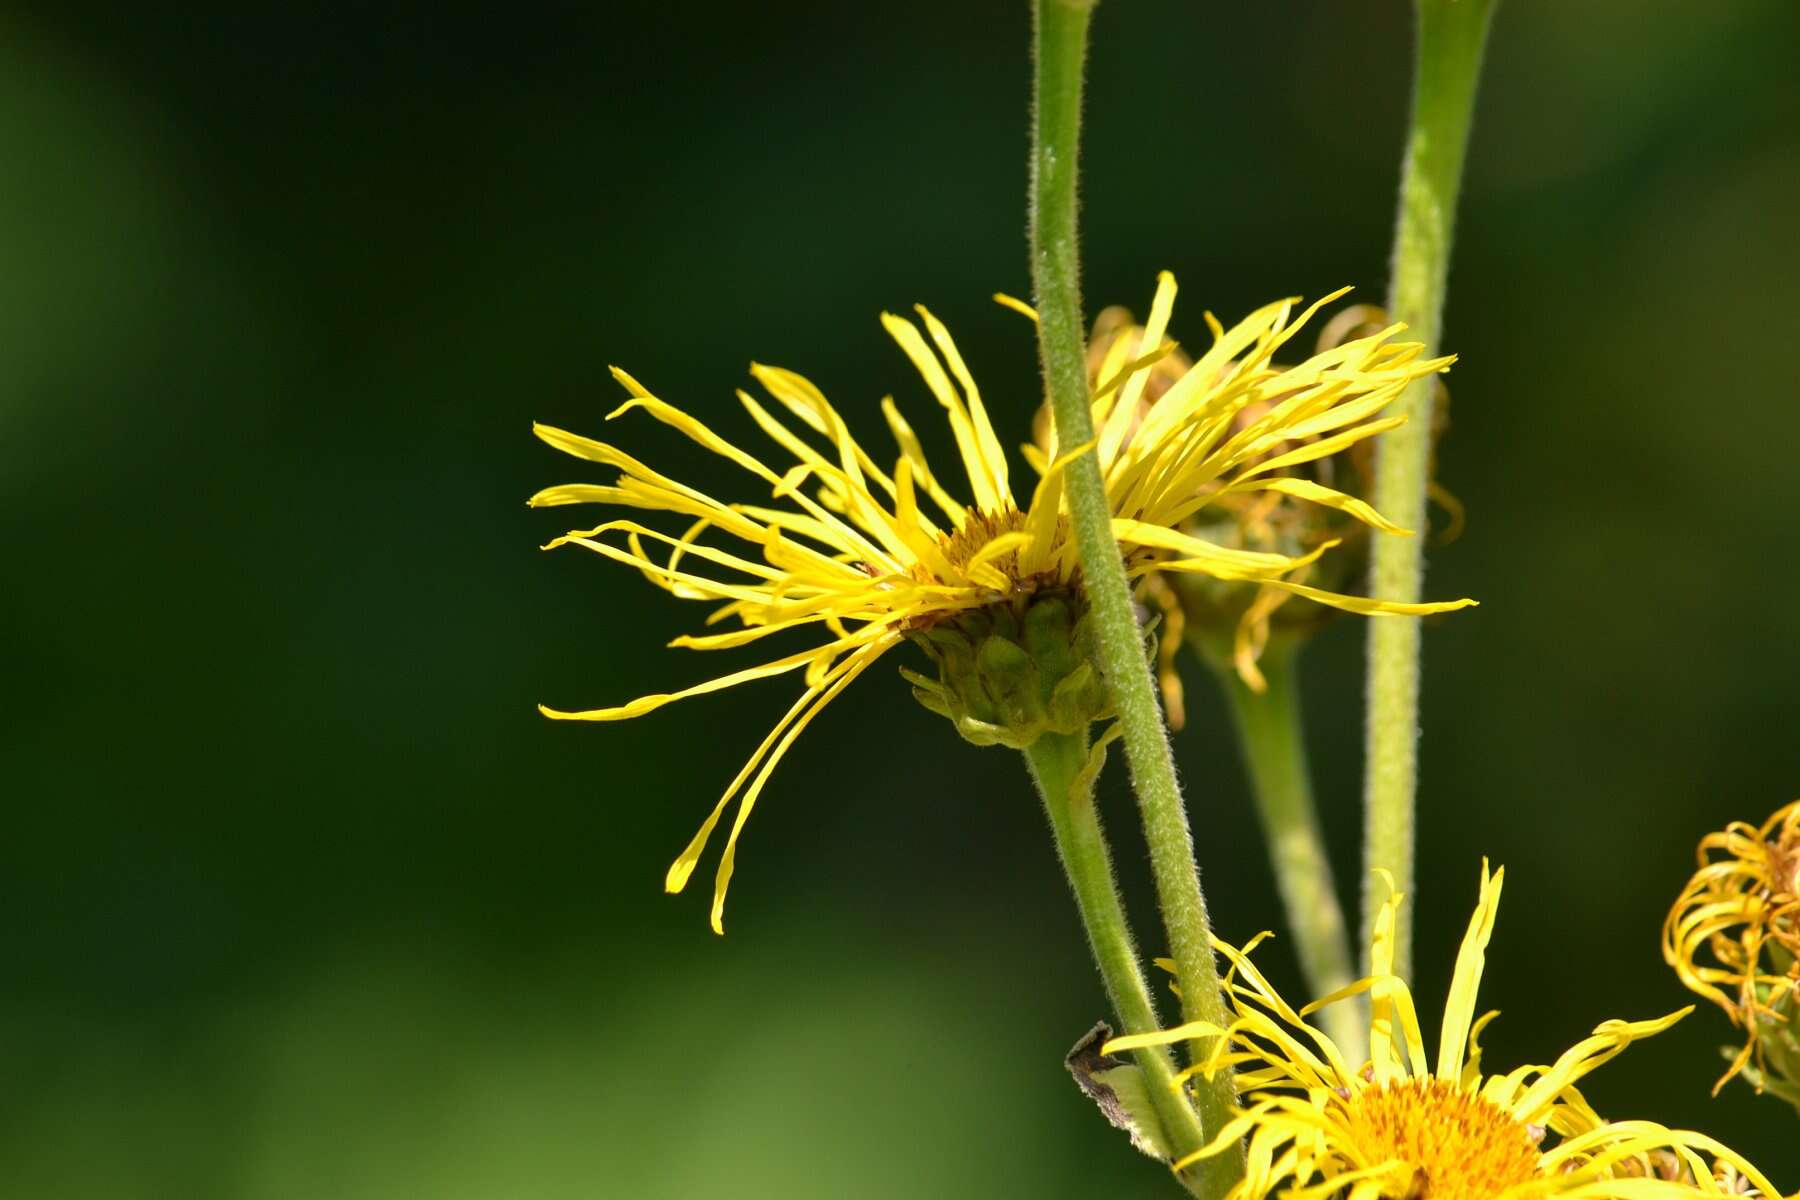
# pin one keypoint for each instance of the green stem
(1451, 36)
(1270, 732)
(1057, 762)
(1061, 47)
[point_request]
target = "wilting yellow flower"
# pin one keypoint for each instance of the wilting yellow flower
(1734, 937)
(877, 556)
(1400, 1127)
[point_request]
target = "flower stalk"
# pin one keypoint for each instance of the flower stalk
(1451, 36)
(1060, 767)
(1270, 732)
(1061, 28)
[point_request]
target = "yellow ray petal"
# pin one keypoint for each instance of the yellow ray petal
(1381, 995)
(909, 446)
(1315, 493)
(992, 452)
(1323, 448)
(1191, 1031)
(669, 415)
(1471, 1075)
(847, 489)
(1250, 563)
(1367, 606)
(648, 704)
(739, 637)
(683, 866)
(576, 493)
(855, 665)
(968, 444)
(684, 545)
(1006, 543)
(702, 588)
(1459, 1007)
(1019, 306)
(908, 522)
(1125, 413)
(1043, 519)
(836, 484)
(653, 489)
(805, 400)
(1115, 368)
(1608, 1039)
(1034, 458)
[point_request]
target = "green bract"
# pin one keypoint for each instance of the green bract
(1013, 671)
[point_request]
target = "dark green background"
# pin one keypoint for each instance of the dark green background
(302, 899)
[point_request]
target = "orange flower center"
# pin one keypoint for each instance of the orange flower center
(1447, 1144)
(976, 531)
(1784, 865)
(961, 546)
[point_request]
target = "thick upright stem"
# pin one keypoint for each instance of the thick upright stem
(1061, 48)
(1056, 762)
(1271, 733)
(1450, 39)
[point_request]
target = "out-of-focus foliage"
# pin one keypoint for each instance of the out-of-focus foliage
(303, 899)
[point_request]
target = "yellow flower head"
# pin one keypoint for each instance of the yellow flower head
(1236, 619)
(862, 557)
(1402, 1127)
(1734, 934)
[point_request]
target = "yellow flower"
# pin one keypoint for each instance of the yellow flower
(865, 556)
(1402, 1127)
(1232, 621)
(1733, 936)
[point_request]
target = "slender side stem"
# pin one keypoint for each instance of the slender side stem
(1450, 39)
(1271, 734)
(1056, 762)
(1061, 47)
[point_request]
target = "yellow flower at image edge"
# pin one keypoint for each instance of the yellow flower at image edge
(1404, 1128)
(1733, 936)
(839, 546)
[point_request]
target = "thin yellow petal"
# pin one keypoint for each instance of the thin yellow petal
(669, 415)
(1125, 413)
(853, 666)
(1253, 563)
(909, 446)
(1315, 493)
(1581, 1059)
(1368, 606)
(968, 444)
(1324, 447)
(1191, 1031)
(992, 452)
(1459, 1007)
(649, 704)
(1017, 305)
(683, 866)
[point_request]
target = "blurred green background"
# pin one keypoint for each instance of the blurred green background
(301, 896)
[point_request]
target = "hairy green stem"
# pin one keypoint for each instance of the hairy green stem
(1056, 762)
(1271, 734)
(1061, 47)
(1450, 38)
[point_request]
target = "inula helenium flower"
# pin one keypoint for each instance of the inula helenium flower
(1404, 1128)
(1734, 938)
(863, 557)
(1232, 620)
